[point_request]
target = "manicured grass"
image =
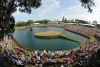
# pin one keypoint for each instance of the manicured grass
(55, 34)
(73, 39)
(48, 34)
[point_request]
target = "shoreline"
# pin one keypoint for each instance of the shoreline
(64, 27)
(19, 45)
(27, 49)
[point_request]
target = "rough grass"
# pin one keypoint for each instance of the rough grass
(21, 28)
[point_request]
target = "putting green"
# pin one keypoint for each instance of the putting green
(55, 34)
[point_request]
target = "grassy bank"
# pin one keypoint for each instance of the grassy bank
(21, 28)
(24, 27)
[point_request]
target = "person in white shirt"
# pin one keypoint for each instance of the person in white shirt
(18, 62)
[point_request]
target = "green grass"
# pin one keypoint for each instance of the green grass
(73, 39)
(61, 59)
(21, 28)
(24, 27)
(92, 39)
(56, 34)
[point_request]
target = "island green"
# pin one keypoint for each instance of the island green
(55, 34)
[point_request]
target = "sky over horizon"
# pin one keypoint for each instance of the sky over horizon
(56, 9)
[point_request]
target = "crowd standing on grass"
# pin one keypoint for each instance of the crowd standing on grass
(81, 55)
(86, 31)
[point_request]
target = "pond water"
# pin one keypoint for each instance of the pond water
(27, 39)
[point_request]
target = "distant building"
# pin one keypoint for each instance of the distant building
(36, 23)
(72, 23)
(88, 25)
(53, 22)
(56, 22)
(62, 22)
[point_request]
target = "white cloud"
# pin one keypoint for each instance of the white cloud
(53, 9)
(78, 12)
(50, 5)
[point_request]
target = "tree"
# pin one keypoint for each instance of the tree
(81, 21)
(45, 21)
(66, 21)
(29, 22)
(8, 7)
(98, 26)
(94, 22)
(88, 4)
(63, 18)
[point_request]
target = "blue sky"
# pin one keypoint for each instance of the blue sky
(56, 9)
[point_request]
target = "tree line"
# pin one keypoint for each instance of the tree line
(78, 21)
(23, 23)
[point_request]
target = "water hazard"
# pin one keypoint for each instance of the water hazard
(27, 39)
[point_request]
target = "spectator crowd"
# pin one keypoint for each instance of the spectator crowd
(80, 55)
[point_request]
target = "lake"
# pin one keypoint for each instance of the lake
(27, 39)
